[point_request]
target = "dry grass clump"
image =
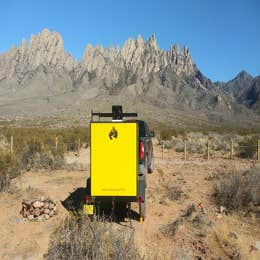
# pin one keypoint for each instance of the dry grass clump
(173, 192)
(34, 148)
(9, 168)
(171, 228)
(248, 147)
(79, 238)
(36, 156)
(189, 210)
(166, 133)
(182, 253)
(240, 191)
(226, 241)
(44, 136)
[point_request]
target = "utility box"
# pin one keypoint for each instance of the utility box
(121, 155)
(114, 158)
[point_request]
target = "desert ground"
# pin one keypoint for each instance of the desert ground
(183, 221)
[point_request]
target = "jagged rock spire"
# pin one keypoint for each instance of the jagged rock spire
(137, 56)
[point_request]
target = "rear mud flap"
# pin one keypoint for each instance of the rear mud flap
(141, 186)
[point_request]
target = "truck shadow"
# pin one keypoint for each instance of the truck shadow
(75, 201)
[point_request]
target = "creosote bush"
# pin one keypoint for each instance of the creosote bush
(249, 146)
(79, 238)
(39, 136)
(241, 191)
(34, 148)
(166, 133)
(35, 156)
(9, 168)
(173, 192)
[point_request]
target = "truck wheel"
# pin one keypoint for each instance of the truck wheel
(151, 166)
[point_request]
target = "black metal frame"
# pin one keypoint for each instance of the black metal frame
(117, 114)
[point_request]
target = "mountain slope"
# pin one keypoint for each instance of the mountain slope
(245, 90)
(41, 79)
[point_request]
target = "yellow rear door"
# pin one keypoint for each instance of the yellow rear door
(113, 159)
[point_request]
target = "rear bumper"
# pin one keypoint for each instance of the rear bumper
(109, 199)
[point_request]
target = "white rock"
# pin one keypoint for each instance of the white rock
(46, 216)
(38, 204)
(30, 217)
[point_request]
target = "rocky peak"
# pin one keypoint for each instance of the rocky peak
(44, 49)
(47, 48)
(186, 51)
(243, 75)
(239, 85)
(136, 60)
(152, 43)
(180, 61)
(23, 44)
(242, 79)
(139, 40)
(138, 57)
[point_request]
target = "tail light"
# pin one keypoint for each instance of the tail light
(141, 150)
(88, 199)
(139, 199)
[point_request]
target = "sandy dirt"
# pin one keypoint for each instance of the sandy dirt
(22, 239)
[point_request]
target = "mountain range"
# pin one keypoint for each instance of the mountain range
(39, 79)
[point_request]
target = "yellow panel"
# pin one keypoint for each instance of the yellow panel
(113, 159)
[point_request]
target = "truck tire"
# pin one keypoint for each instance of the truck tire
(151, 166)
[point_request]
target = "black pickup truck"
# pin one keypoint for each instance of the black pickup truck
(146, 159)
(146, 162)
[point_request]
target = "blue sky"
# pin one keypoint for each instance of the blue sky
(223, 36)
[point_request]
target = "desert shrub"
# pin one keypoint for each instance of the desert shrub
(196, 148)
(189, 210)
(79, 238)
(66, 136)
(166, 134)
(36, 156)
(248, 147)
(182, 253)
(9, 168)
(170, 229)
(177, 144)
(35, 147)
(172, 191)
(241, 191)
(221, 146)
(228, 243)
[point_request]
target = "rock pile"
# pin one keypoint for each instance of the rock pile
(38, 209)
